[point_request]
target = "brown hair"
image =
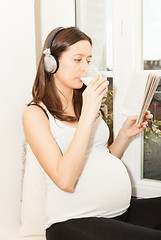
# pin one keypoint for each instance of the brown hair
(45, 90)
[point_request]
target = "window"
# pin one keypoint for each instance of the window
(95, 18)
(151, 34)
(152, 58)
(133, 42)
(130, 53)
(91, 19)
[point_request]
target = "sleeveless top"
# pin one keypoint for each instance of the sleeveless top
(103, 188)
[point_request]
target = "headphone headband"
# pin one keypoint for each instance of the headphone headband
(52, 36)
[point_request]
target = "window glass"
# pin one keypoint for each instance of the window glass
(107, 106)
(91, 19)
(152, 61)
(152, 140)
(151, 34)
(95, 18)
(109, 35)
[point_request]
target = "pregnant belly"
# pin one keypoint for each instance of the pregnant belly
(105, 183)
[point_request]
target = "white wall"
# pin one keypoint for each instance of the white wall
(17, 72)
(54, 13)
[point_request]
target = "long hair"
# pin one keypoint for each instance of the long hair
(45, 90)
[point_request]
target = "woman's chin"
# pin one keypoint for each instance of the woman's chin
(79, 85)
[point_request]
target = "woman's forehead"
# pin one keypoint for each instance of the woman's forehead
(82, 48)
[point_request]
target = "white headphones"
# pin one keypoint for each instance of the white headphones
(51, 63)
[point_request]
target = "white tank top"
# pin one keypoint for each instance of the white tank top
(103, 189)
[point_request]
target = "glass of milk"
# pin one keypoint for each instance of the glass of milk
(90, 74)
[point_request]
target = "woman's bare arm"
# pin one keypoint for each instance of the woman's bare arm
(128, 130)
(62, 169)
(65, 169)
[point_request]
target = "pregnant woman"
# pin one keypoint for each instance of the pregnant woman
(88, 187)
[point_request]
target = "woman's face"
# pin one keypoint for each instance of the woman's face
(73, 64)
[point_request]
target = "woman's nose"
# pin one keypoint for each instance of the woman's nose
(85, 67)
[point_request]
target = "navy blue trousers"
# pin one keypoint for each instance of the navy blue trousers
(142, 221)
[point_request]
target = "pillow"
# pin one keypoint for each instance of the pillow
(33, 197)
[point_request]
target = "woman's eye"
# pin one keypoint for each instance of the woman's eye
(88, 62)
(77, 60)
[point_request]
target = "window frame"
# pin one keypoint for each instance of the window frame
(127, 35)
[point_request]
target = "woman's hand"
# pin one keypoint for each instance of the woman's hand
(92, 96)
(128, 130)
(129, 127)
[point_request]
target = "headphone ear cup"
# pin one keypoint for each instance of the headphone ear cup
(50, 63)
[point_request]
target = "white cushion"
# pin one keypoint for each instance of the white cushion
(13, 234)
(33, 197)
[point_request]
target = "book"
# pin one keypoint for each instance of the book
(139, 94)
(151, 86)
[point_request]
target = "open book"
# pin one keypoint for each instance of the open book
(151, 85)
(139, 94)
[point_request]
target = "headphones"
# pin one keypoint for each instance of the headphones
(51, 63)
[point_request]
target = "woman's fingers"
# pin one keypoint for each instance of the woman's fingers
(93, 81)
(142, 125)
(97, 82)
(93, 95)
(148, 115)
(98, 87)
(100, 84)
(103, 93)
(102, 87)
(131, 128)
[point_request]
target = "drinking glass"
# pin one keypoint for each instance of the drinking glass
(90, 74)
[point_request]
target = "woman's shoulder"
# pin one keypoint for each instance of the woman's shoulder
(35, 113)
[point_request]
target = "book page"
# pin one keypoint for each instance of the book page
(139, 94)
(145, 98)
(132, 101)
(152, 83)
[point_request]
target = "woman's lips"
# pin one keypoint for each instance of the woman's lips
(79, 78)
